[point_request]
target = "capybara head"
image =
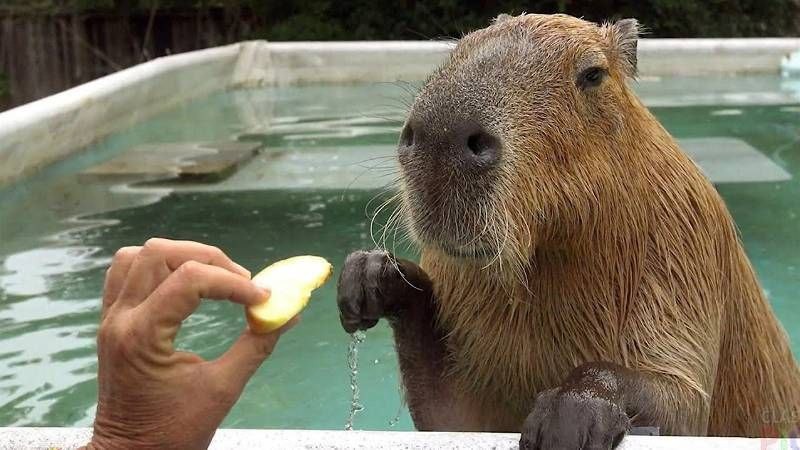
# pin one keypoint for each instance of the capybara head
(509, 144)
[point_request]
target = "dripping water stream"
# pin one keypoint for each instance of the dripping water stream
(356, 339)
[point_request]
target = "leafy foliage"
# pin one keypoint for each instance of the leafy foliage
(421, 19)
(415, 19)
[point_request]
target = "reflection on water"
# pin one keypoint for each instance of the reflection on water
(47, 339)
(26, 273)
(326, 154)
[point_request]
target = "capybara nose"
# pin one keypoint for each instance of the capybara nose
(463, 143)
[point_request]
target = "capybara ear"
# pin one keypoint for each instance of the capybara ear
(501, 18)
(624, 37)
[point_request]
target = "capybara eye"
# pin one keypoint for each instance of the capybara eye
(407, 136)
(591, 77)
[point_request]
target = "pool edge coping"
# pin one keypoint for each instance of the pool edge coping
(19, 438)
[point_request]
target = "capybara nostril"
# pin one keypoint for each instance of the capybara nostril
(485, 147)
(453, 141)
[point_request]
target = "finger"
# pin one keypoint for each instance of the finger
(158, 258)
(245, 356)
(180, 294)
(116, 274)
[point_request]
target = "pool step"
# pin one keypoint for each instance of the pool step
(190, 167)
(731, 160)
(178, 162)
(722, 159)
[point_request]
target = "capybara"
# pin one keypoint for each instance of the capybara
(579, 275)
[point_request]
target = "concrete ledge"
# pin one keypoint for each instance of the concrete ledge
(49, 129)
(350, 62)
(355, 62)
(692, 57)
(39, 133)
(70, 438)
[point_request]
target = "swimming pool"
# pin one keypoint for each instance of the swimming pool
(324, 154)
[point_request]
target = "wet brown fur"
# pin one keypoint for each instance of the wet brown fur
(610, 246)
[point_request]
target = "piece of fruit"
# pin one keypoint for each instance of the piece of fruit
(291, 281)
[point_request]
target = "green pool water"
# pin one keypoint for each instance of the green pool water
(59, 229)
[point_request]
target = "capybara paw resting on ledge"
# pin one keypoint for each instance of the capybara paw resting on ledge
(578, 275)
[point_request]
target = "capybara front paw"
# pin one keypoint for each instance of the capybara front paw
(570, 420)
(365, 288)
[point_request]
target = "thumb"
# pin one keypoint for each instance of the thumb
(245, 356)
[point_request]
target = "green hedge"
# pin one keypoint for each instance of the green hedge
(422, 19)
(376, 19)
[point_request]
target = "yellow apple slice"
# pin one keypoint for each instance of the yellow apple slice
(291, 281)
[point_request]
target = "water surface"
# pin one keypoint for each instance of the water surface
(323, 160)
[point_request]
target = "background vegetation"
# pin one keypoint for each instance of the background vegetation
(422, 19)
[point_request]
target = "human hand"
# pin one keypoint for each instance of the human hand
(149, 394)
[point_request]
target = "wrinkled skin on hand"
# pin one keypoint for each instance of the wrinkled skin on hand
(151, 395)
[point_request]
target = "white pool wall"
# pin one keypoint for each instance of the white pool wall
(42, 132)
(229, 439)
(47, 130)
(698, 57)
